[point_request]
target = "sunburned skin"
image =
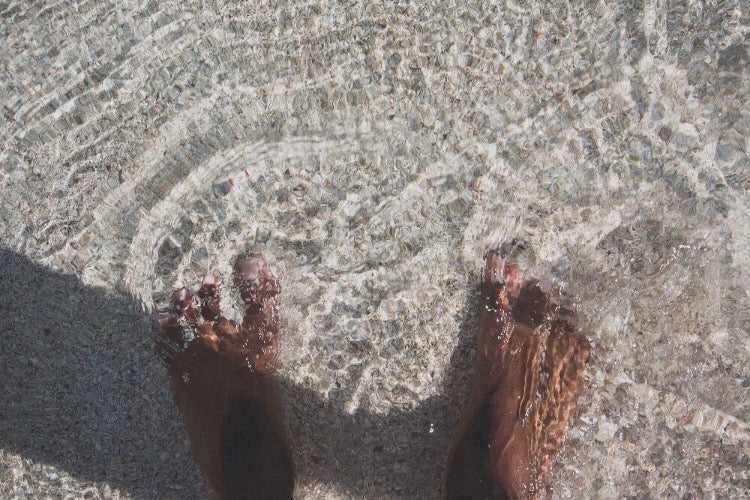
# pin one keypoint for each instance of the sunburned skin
(224, 385)
(528, 375)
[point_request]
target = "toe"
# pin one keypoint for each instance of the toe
(493, 268)
(200, 318)
(254, 280)
(167, 325)
(258, 287)
(502, 283)
(183, 305)
(209, 295)
(494, 295)
(497, 271)
(513, 276)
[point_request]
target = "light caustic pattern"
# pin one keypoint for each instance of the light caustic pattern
(375, 152)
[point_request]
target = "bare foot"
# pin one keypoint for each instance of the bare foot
(528, 375)
(222, 378)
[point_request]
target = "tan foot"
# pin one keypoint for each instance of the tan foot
(528, 375)
(221, 374)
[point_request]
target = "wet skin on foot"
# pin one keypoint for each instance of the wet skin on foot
(222, 377)
(528, 375)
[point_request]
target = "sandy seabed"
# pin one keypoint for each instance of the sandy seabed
(375, 152)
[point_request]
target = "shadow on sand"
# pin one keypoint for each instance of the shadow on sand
(82, 389)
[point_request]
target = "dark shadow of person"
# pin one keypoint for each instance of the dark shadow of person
(82, 389)
(221, 369)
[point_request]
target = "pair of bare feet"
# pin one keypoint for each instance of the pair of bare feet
(528, 375)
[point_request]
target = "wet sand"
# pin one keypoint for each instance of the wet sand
(375, 153)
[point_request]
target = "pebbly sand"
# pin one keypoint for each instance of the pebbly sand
(375, 152)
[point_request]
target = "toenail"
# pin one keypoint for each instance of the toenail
(181, 298)
(250, 267)
(209, 286)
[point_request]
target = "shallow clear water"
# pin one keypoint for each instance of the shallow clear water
(375, 153)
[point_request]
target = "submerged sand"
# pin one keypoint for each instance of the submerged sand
(375, 152)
